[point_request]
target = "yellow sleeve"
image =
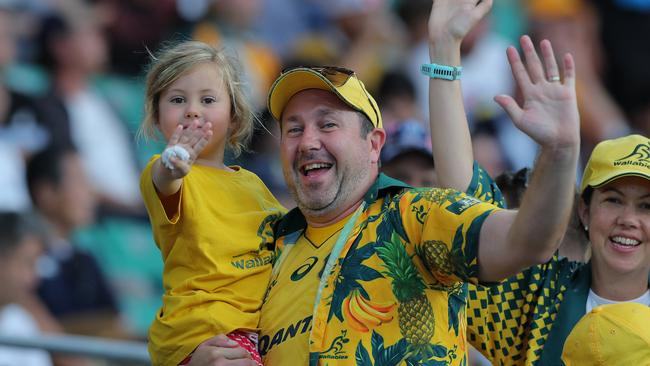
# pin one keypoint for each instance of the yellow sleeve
(444, 225)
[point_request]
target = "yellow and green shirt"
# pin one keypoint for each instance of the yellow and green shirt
(525, 319)
(217, 254)
(389, 290)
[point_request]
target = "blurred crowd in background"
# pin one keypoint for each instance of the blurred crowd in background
(71, 101)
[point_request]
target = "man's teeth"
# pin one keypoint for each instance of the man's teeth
(625, 241)
(309, 167)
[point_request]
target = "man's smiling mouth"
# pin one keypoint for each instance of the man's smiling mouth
(308, 169)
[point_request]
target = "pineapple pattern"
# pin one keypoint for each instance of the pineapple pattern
(397, 289)
(437, 259)
(436, 195)
(416, 319)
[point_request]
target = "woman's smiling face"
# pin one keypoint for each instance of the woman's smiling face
(618, 218)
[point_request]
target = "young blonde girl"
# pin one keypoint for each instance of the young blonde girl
(212, 222)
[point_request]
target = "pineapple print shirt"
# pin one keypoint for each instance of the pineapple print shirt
(394, 293)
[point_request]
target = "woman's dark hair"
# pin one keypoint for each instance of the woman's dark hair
(587, 194)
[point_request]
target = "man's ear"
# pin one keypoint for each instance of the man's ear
(377, 139)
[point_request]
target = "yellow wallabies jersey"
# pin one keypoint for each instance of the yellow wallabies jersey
(217, 257)
(299, 279)
(395, 294)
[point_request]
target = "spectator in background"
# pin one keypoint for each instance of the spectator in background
(231, 23)
(624, 25)
(488, 149)
(397, 100)
(282, 23)
(20, 247)
(485, 68)
(573, 25)
(132, 25)
(73, 286)
(362, 35)
(20, 134)
(407, 155)
(485, 74)
(74, 50)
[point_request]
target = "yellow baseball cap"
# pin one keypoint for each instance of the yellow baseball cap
(610, 335)
(340, 81)
(612, 159)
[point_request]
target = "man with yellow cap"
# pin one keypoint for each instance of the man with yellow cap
(369, 270)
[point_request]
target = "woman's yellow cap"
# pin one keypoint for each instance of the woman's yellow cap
(616, 158)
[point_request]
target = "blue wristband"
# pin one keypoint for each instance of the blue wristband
(442, 71)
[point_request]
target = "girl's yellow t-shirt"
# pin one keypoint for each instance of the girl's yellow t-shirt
(217, 254)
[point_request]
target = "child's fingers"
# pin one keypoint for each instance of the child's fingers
(205, 132)
(181, 167)
(188, 133)
(175, 137)
(193, 139)
(200, 145)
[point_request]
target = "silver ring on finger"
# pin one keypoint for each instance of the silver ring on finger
(553, 78)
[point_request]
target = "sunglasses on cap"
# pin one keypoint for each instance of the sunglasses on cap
(338, 76)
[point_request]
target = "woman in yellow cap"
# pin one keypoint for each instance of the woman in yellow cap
(526, 319)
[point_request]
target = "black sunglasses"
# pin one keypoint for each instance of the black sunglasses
(338, 76)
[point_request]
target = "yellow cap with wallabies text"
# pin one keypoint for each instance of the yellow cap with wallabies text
(616, 158)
